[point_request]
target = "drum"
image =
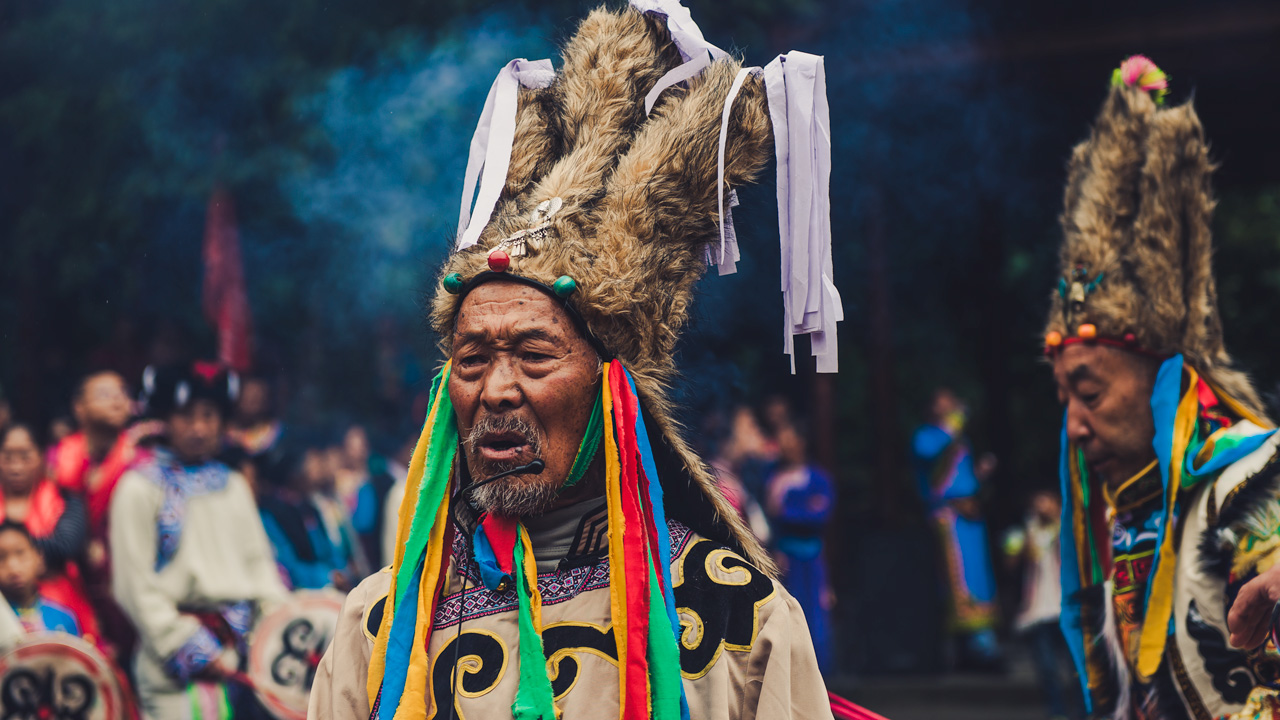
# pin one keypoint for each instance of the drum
(286, 648)
(55, 675)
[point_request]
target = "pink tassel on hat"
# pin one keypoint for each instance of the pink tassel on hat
(1139, 71)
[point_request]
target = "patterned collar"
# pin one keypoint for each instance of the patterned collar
(179, 483)
(575, 574)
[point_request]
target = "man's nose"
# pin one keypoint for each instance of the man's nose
(501, 387)
(1078, 428)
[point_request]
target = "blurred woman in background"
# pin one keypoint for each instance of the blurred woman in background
(799, 500)
(55, 518)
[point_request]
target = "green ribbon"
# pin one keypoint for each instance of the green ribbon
(590, 444)
(534, 699)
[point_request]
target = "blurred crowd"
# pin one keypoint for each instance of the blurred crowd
(327, 500)
(327, 503)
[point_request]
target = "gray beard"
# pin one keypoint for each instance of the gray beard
(512, 498)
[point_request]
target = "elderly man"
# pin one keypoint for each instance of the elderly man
(561, 551)
(1169, 480)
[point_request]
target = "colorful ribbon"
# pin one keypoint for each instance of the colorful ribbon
(642, 605)
(398, 665)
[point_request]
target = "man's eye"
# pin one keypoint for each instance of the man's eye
(471, 360)
(536, 357)
(1089, 398)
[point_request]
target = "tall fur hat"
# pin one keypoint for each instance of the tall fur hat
(613, 210)
(1136, 253)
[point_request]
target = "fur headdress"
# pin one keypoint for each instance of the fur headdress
(1136, 256)
(615, 207)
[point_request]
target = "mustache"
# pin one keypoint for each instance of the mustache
(514, 424)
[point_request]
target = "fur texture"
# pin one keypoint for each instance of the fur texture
(1137, 211)
(639, 209)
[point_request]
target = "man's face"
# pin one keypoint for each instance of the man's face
(195, 432)
(1107, 392)
(523, 386)
(20, 566)
(103, 403)
(21, 463)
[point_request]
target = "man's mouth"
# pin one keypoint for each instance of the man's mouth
(1098, 464)
(502, 446)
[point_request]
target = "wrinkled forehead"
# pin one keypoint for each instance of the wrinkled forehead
(1085, 361)
(504, 312)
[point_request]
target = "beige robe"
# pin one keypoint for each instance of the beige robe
(745, 651)
(223, 555)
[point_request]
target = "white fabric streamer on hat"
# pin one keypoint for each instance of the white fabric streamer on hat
(797, 88)
(491, 144)
(729, 254)
(685, 33)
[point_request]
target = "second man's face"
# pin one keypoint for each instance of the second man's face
(1107, 393)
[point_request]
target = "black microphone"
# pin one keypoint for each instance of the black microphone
(533, 467)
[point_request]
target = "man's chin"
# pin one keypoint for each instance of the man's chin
(515, 499)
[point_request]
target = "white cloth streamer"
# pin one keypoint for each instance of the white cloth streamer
(729, 254)
(797, 89)
(685, 33)
(491, 144)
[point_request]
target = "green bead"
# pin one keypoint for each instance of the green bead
(453, 283)
(564, 286)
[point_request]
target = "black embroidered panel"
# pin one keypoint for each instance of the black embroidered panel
(373, 618)
(481, 660)
(1228, 669)
(716, 613)
(563, 642)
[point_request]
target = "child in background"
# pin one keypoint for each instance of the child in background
(1035, 546)
(21, 566)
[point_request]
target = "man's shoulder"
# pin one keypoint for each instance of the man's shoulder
(366, 602)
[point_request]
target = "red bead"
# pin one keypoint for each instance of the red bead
(1131, 338)
(499, 261)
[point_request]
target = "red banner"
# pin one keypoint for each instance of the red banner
(226, 303)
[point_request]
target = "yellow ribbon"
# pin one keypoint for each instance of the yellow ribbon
(1155, 626)
(1239, 409)
(530, 571)
(413, 702)
(617, 576)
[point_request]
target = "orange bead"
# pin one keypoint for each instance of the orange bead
(1087, 331)
(1053, 339)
